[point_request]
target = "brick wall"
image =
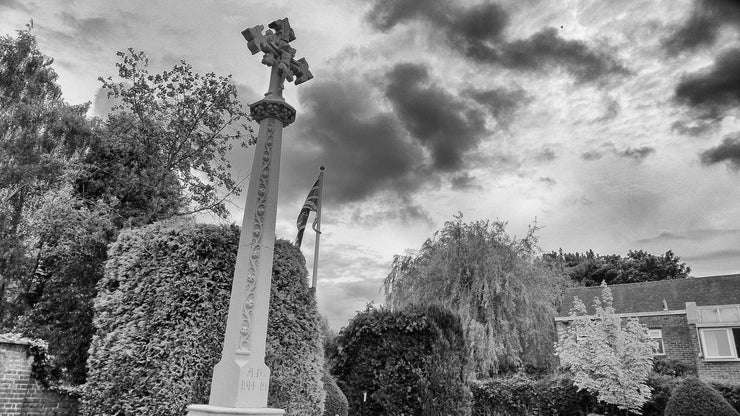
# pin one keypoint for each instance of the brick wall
(677, 342)
(20, 394)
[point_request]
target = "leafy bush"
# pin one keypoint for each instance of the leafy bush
(160, 316)
(522, 396)
(336, 403)
(409, 362)
(731, 393)
(673, 368)
(693, 397)
(295, 353)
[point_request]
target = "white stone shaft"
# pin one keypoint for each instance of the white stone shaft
(241, 379)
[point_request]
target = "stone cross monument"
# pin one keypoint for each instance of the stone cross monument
(241, 379)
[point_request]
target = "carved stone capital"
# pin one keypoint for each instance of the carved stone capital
(278, 110)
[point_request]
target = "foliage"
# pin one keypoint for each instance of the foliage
(731, 393)
(673, 368)
(40, 137)
(589, 269)
(186, 121)
(555, 395)
(607, 356)
(41, 367)
(693, 397)
(523, 396)
(126, 173)
(160, 318)
(408, 362)
(336, 402)
(72, 243)
(295, 352)
(503, 294)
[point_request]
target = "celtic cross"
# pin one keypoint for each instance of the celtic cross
(275, 44)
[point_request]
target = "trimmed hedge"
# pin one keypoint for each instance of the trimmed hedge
(160, 319)
(555, 395)
(693, 397)
(410, 362)
(336, 403)
(295, 352)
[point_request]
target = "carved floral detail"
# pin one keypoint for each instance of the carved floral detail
(256, 241)
(273, 109)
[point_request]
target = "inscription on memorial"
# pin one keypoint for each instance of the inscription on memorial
(255, 380)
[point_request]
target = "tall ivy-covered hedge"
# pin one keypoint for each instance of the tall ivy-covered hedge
(409, 362)
(160, 317)
(295, 352)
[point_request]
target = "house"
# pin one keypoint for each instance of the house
(695, 321)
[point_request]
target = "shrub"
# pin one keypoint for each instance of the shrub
(409, 362)
(693, 397)
(160, 316)
(295, 353)
(731, 393)
(673, 368)
(336, 403)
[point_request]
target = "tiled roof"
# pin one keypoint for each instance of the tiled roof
(649, 296)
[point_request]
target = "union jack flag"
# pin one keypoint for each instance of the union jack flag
(312, 204)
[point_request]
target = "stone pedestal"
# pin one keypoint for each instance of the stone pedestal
(208, 410)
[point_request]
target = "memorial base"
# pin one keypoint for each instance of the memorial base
(208, 410)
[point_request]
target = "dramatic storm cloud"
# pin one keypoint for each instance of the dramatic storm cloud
(367, 147)
(477, 31)
(728, 151)
(441, 122)
(703, 25)
(715, 90)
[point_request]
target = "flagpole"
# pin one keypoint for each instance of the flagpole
(317, 229)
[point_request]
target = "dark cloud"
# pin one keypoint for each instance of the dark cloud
(478, 32)
(728, 151)
(703, 25)
(442, 123)
(365, 150)
(550, 182)
(592, 155)
(464, 181)
(501, 103)
(92, 27)
(635, 153)
(638, 153)
(714, 91)
(546, 49)
(547, 154)
(694, 127)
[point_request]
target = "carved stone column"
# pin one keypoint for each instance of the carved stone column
(241, 379)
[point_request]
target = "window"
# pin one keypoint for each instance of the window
(657, 336)
(720, 343)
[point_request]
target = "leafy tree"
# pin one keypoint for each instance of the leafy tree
(503, 293)
(186, 123)
(607, 356)
(40, 137)
(591, 269)
(71, 243)
(409, 362)
(693, 397)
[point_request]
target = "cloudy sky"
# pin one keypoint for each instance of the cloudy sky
(613, 125)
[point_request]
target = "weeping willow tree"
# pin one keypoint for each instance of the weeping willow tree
(505, 295)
